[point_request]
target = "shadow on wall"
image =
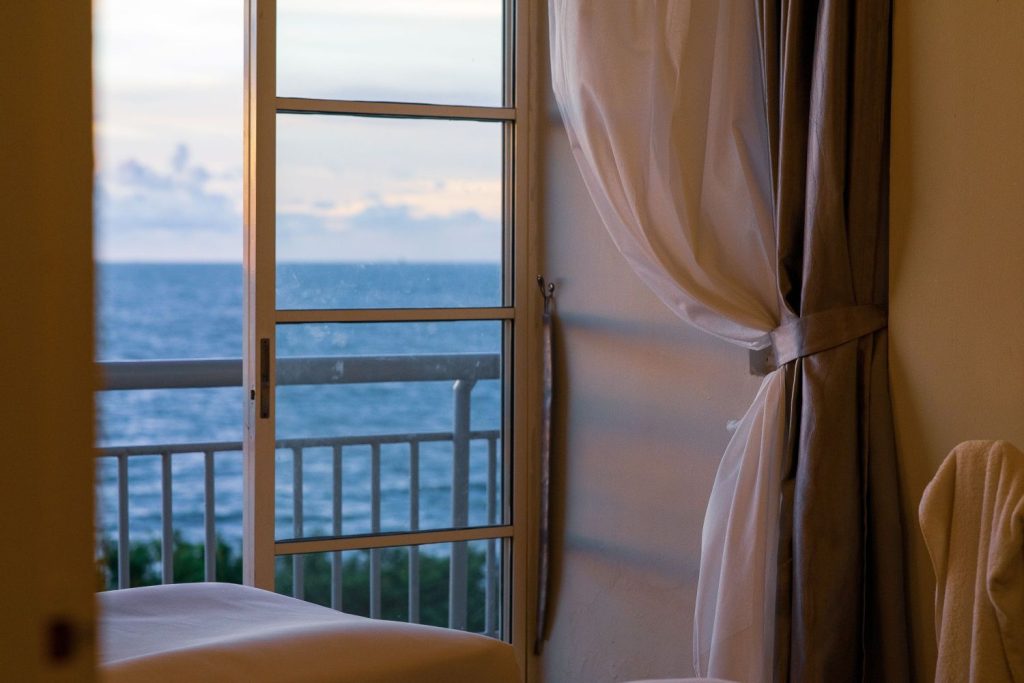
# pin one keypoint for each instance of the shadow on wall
(641, 411)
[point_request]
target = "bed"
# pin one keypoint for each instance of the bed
(225, 632)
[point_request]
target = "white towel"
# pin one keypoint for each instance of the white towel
(972, 517)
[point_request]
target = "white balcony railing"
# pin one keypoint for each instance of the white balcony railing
(463, 370)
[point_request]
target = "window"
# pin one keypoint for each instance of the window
(384, 316)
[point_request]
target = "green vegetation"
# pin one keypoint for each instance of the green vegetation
(144, 562)
(144, 570)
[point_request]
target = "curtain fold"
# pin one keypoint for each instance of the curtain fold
(663, 107)
(670, 139)
(736, 152)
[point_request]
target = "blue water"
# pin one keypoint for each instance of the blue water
(162, 311)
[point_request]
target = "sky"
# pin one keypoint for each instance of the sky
(168, 126)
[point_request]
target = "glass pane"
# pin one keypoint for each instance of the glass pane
(411, 583)
(442, 51)
(388, 426)
(388, 213)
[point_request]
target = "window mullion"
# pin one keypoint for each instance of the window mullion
(301, 105)
(398, 315)
(391, 539)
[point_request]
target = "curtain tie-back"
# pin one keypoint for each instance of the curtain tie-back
(825, 330)
(814, 333)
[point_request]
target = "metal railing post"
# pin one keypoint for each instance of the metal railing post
(209, 520)
(336, 511)
(124, 579)
(375, 528)
(414, 525)
(298, 561)
(167, 520)
(458, 577)
(491, 592)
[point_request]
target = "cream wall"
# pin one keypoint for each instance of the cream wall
(957, 266)
(642, 404)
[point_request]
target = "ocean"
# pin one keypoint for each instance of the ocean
(189, 311)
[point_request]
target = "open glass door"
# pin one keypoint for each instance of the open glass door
(386, 301)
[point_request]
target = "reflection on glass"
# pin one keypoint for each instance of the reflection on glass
(411, 583)
(384, 213)
(388, 427)
(441, 52)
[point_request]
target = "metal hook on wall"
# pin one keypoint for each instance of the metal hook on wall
(547, 290)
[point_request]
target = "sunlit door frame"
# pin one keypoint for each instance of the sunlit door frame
(519, 311)
(259, 304)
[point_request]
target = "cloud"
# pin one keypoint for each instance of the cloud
(401, 218)
(184, 211)
(389, 232)
(184, 197)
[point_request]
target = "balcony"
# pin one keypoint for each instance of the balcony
(303, 462)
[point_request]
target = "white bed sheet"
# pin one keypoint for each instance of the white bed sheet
(225, 632)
